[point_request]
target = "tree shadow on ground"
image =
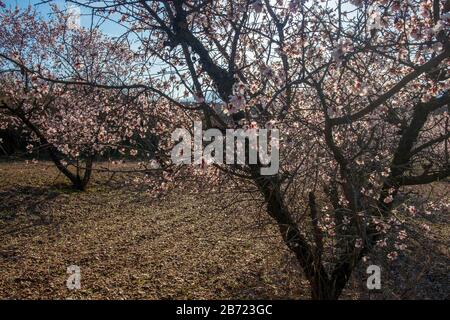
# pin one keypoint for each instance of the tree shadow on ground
(421, 272)
(27, 206)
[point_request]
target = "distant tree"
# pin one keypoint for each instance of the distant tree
(74, 123)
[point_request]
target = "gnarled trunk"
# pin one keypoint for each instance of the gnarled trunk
(322, 289)
(79, 183)
(323, 286)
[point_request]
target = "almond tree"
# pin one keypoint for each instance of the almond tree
(75, 124)
(359, 90)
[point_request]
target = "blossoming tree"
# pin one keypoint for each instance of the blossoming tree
(358, 90)
(73, 123)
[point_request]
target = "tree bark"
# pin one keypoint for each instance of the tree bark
(77, 182)
(322, 289)
(321, 286)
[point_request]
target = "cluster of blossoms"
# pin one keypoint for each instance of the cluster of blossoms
(237, 100)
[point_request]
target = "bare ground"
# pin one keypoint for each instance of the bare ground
(131, 246)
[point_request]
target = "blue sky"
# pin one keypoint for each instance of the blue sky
(108, 28)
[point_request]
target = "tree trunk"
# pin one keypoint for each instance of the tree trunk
(80, 183)
(322, 289)
(77, 182)
(321, 286)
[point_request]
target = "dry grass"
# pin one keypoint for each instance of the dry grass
(130, 246)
